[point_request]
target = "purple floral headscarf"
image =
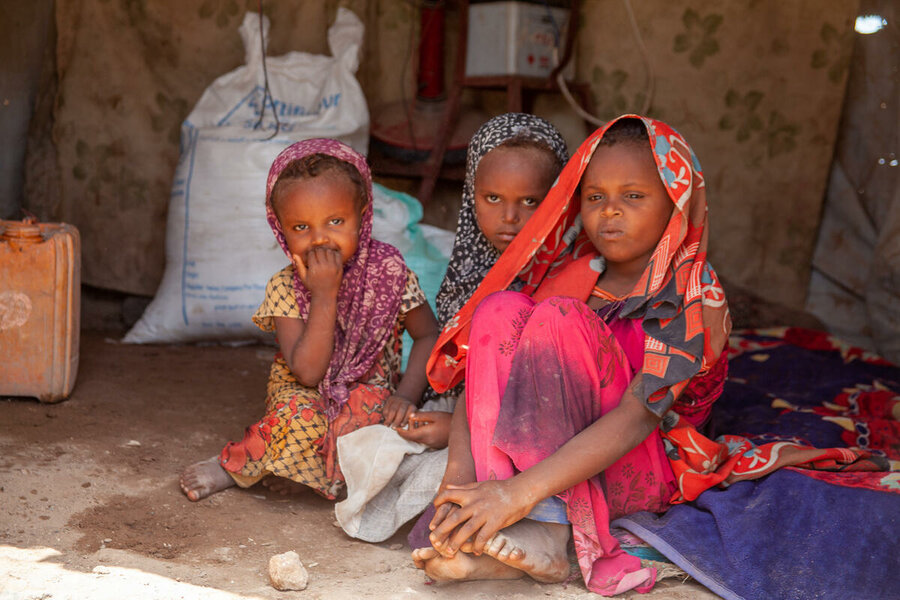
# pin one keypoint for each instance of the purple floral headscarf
(369, 297)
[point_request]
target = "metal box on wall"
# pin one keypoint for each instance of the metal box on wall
(516, 38)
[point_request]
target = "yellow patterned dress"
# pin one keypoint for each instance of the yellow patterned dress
(294, 439)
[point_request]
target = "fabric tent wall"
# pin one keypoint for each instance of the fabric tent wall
(756, 87)
(855, 285)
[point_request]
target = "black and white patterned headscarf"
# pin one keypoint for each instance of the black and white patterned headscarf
(473, 254)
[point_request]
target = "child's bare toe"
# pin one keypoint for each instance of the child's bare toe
(422, 555)
(462, 566)
(204, 478)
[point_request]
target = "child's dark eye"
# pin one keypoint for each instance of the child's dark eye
(300, 227)
(492, 198)
(531, 201)
(337, 221)
(594, 197)
(634, 196)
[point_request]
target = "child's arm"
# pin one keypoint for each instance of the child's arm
(423, 329)
(460, 464)
(307, 347)
(486, 507)
(460, 468)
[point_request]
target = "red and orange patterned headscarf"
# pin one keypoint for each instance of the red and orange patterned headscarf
(678, 297)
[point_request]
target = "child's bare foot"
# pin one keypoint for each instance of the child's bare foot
(204, 478)
(538, 549)
(283, 486)
(462, 566)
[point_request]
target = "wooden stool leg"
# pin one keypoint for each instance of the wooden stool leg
(435, 160)
(514, 95)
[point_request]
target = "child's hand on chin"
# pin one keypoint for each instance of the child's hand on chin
(323, 274)
(397, 410)
(431, 428)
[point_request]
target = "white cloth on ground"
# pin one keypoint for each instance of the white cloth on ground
(389, 480)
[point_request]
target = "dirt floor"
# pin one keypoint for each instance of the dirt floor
(90, 505)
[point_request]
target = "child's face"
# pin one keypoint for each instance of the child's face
(320, 212)
(624, 205)
(509, 185)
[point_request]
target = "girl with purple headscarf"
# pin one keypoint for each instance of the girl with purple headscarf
(338, 310)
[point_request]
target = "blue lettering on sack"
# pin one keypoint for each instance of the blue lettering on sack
(284, 110)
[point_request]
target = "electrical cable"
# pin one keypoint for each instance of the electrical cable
(267, 93)
(561, 82)
(651, 80)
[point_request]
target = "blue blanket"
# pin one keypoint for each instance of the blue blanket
(789, 535)
(784, 536)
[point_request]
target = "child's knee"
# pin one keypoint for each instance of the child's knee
(566, 319)
(560, 309)
(501, 305)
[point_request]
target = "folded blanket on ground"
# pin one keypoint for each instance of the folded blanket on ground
(796, 533)
(783, 536)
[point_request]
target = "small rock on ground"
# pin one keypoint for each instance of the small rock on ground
(287, 573)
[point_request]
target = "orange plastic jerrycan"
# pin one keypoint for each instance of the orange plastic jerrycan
(40, 293)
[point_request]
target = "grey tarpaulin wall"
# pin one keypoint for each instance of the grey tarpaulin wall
(855, 285)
